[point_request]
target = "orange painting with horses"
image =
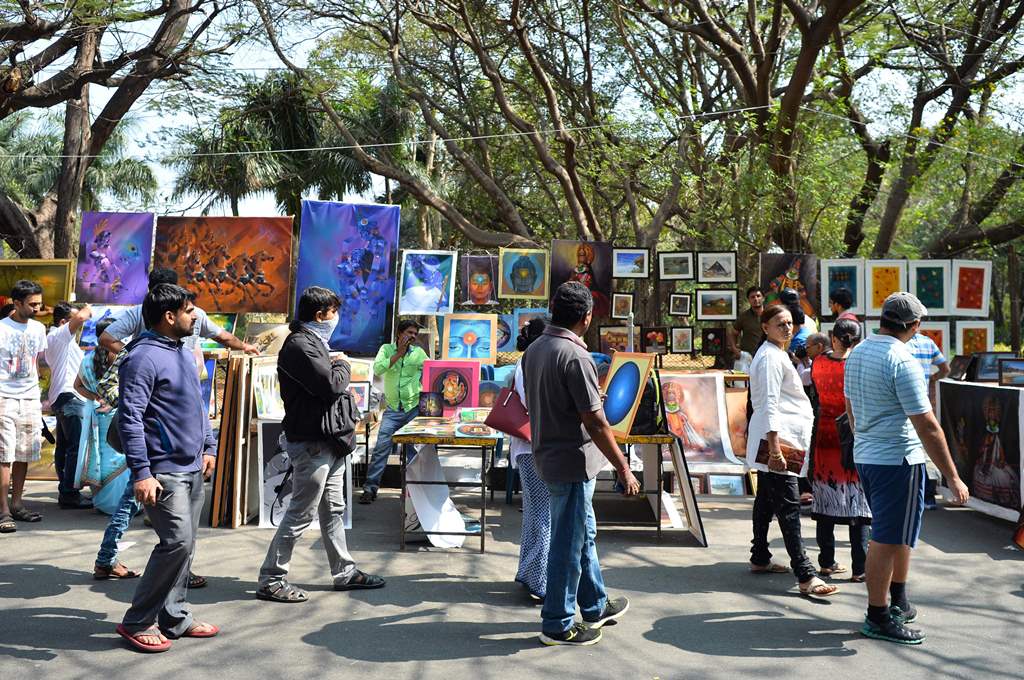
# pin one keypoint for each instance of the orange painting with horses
(233, 264)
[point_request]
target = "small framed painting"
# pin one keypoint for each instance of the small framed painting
(470, 337)
(712, 341)
(507, 332)
(624, 388)
(716, 267)
(679, 304)
(938, 331)
(972, 286)
(622, 305)
(430, 404)
(845, 273)
(428, 282)
(930, 282)
(523, 273)
(631, 263)
(726, 485)
(360, 392)
(675, 266)
(716, 304)
(682, 340)
(974, 336)
(882, 278)
(654, 340)
(616, 339)
(524, 315)
(984, 366)
(1011, 372)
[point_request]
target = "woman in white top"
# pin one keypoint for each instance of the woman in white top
(778, 438)
(536, 536)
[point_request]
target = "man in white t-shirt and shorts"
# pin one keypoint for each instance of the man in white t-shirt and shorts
(64, 357)
(22, 340)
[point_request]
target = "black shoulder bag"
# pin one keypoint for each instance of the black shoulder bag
(339, 422)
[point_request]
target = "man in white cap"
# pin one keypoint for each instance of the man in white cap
(894, 427)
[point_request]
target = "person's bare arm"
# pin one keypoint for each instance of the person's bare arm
(941, 372)
(231, 342)
(78, 319)
(110, 343)
(930, 433)
(601, 432)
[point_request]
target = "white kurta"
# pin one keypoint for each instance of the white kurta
(780, 405)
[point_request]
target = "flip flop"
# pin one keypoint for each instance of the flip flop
(772, 568)
(134, 641)
(26, 515)
(817, 588)
(192, 631)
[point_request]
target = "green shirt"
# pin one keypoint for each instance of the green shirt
(401, 380)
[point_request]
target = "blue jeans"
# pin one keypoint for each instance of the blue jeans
(573, 570)
(68, 409)
(118, 524)
(392, 421)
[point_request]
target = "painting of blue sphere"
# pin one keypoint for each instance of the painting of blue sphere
(622, 389)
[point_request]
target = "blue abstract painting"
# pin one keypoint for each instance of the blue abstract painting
(352, 249)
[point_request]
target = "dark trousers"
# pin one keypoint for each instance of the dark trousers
(859, 534)
(779, 496)
(68, 409)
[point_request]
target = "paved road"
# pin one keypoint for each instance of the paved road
(457, 615)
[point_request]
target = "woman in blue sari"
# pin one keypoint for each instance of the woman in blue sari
(99, 465)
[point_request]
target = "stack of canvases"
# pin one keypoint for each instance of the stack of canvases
(236, 479)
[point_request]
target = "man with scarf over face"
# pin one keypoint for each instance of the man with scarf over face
(310, 383)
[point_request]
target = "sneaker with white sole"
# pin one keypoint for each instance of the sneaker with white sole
(578, 635)
(613, 609)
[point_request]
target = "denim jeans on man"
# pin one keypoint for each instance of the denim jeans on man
(318, 485)
(163, 587)
(68, 409)
(117, 525)
(779, 495)
(392, 421)
(574, 574)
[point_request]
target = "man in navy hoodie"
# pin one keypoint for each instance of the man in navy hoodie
(170, 450)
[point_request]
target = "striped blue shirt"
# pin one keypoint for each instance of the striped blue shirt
(884, 386)
(926, 352)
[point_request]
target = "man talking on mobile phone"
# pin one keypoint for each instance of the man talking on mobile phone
(400, 363)
(170, 451)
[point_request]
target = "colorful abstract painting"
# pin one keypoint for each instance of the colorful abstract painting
(590, 263)
(524, 273)
(930, 282)
(938, 331)
(428, 282)
(53, 275)
(352, 249)
(798, 272)
(695, 411)
(225, 321)
(470, 337)
(882, 279)
(479, 279)
(458, 383)
(972, 284)
(623, 388)
(113, 258)
(233, 264)
(845, 273)
(974, 336)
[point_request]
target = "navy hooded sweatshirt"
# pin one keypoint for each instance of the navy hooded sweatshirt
(161, 416)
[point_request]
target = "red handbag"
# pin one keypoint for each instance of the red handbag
(509, 415)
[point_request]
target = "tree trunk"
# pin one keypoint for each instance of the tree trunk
(1016, 282)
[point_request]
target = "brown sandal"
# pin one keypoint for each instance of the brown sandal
(102, 572)
(836, 568)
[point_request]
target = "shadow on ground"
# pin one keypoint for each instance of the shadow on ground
(34, 633)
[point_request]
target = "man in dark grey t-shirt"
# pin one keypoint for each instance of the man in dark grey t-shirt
(571, 441)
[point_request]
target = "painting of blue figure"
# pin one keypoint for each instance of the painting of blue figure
(428, 282)
(507, 333)
(113, 258)
(352, 249)
(471, 337)
(524, 273)
(99, 313)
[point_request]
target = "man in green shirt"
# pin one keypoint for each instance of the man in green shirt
(401, 365)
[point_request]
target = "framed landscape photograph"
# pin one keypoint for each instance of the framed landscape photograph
(726, 485)
(716, 304)
(622, 305)
(1011, 372)
(716, 267)
(679, 304)
(682, 340)
(631, 263)
(675, 266)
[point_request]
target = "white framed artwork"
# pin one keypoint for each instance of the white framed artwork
(930, 280)
(842, 273)
(882, 278)
(972, 287)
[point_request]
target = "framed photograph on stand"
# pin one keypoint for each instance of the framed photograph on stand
(622, 305)
(716, 267)
(675, 266)
(631, 263)
(716, 304)
(679, 304)
(1011, 372)
(682, 340)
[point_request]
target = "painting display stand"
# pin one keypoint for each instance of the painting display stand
(649, 448)
(486, 446)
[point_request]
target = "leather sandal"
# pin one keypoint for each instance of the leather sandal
(836, 568)
(7, 525)
(361, 581)
(102, 572)
(281, 591)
